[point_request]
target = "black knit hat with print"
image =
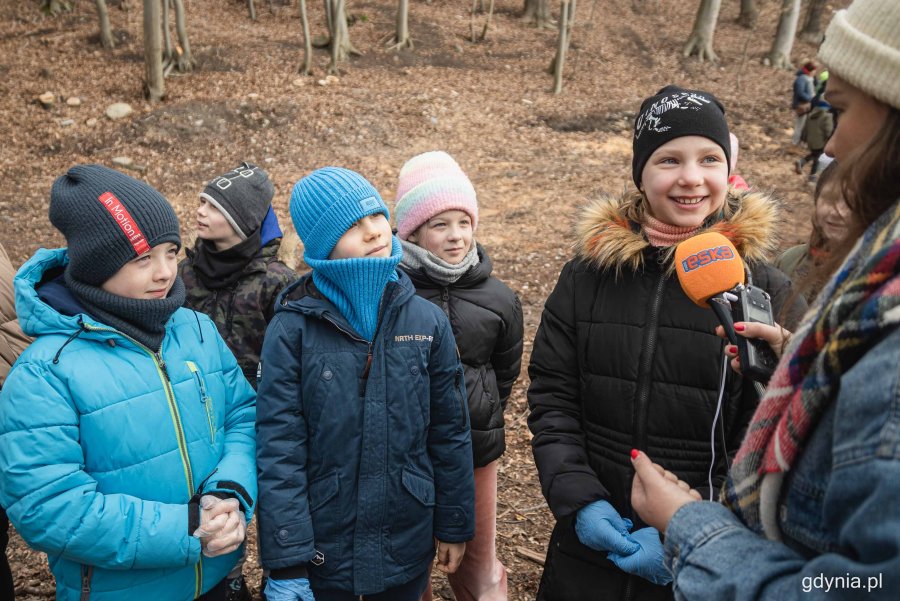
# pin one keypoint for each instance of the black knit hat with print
(672, 113)
(243, 196)
(108, 219)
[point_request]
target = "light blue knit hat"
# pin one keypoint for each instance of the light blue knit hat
(325, 203)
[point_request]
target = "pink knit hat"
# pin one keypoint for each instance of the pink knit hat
(431, 183)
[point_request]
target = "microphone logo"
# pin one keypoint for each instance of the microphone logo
(706, 257)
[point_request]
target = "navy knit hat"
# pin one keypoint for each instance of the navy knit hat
(325, 203)
(243, 196)
(672, 113)
(108, 219)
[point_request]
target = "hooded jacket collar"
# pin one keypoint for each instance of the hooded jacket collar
(607, 238)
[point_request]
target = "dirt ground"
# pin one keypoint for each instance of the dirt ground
(533, 157)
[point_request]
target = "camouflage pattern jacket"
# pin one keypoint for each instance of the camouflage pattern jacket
(242, 311)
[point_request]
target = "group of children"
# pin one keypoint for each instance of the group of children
(135, 449)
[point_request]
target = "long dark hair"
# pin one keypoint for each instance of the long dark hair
(869, 184)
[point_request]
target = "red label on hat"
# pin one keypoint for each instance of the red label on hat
(126, 223)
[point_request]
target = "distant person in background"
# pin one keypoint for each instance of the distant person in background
(735, 180)
(819, 127)
(622, 355)
(813, 492)
(437, 216)
(801, 101)
(12, 342)
(830, 223)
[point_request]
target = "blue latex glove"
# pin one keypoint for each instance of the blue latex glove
(289, 590)
(647, 562)
(600, 527)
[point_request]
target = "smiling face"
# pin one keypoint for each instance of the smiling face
(214, 228)
(447, 235)
(148, 277)
(859, 117)
(368, 237)
(685, 180)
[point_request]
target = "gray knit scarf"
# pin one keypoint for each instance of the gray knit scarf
(417, 258)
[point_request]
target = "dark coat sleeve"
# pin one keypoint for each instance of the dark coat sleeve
(507, 356)
(285, 525)
(567, 481)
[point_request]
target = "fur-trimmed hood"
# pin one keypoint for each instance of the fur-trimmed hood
(609, 235)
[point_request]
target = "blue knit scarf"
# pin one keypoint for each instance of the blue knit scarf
(355, 286)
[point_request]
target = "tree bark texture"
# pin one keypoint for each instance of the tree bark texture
(168, 49)
(401, 36)
(186, 58)
(566, 21)
(749, 13)
(341, 48)
(155, 87)
(780, 54)
(701, 40)
(252, 9)
(306, 67)
(54, 7)
(106, 38)
(812, 27)
(537, 13)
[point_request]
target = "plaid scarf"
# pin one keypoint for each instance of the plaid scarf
(856, 309)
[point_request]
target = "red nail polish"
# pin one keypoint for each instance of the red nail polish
(635, 453)
(740, 327)
(732, 348)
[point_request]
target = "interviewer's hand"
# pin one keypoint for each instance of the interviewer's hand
(776, 336)
(655, 495)
(449, 556)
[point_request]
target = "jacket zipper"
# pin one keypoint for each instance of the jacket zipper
(642, 396)
(87, 572)
(445, 300)
(205, 400)
(179, 431)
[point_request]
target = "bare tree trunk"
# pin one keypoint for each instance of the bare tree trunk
(252, 10)
(701, 40)
(537, 13)
(566, 21)
(106, 38)
(154, 86)
(401, 36)
(341, 48)
(749, 13)
(487, 22)
(186, 58)
(306, 68)
(780, 54)
(812, 27)
(168, 50)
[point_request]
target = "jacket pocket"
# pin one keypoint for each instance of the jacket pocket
(326, 521)
(205, 399)
(323, 490)
(412, 529)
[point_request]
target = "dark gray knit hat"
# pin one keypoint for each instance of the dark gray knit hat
(243, 196)
(674, 112)
(108, 219)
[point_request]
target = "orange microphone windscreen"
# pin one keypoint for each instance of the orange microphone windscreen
(707, 265)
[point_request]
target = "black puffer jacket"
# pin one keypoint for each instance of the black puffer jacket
(487, 322)
(623, 359)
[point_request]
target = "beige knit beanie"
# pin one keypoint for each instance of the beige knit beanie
(862, 47)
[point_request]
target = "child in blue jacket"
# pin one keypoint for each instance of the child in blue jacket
(126, 428)
(364, 451)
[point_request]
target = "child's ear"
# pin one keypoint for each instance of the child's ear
(413, 238)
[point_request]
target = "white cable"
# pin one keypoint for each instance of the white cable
(712, 433)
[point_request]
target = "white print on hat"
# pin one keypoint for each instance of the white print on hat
(224, 182)
(651, 118)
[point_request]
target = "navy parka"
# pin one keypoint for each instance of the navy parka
(364, 449)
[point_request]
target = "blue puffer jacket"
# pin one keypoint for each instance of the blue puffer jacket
(103, 443)
(364, 450)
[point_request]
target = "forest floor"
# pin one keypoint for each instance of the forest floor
(533, 157)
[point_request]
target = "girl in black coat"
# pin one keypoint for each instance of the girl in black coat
(437, 214)
(623, 359)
